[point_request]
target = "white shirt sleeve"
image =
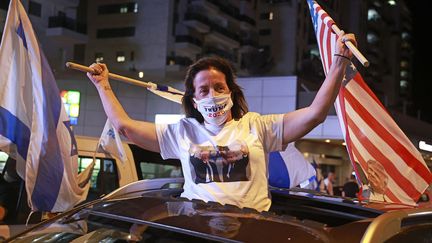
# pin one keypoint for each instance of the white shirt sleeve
(168, 139)
(272, 132)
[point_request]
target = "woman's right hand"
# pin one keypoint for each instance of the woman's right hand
(100, 75)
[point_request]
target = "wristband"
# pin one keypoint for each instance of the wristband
(339, 55)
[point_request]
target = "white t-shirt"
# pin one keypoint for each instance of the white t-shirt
(229, 167)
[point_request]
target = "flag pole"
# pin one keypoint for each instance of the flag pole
(362, 59)
(117, 77)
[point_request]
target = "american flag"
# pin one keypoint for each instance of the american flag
(372, 137)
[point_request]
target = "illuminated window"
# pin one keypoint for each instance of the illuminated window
(372, 38)
(120, 56)
(373, 15)
(135, 9)
(99, 57)
(405, 36)
(405, 45)
(314, 52)
(71, 101)
(404, 74)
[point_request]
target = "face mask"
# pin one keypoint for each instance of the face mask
(215, 109)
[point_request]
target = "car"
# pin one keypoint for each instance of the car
(109, 173)
(153, 211)
(425, 199)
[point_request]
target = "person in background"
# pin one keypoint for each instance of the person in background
(9, 190)
(328, 183)
(350, 188)
(217, 117)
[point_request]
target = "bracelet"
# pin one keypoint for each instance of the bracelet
(339, 55)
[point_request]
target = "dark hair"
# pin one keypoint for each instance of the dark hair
(240, 106)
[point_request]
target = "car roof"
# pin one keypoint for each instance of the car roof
(296, 216)
(164, 210)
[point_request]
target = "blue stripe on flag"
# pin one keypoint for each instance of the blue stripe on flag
(313, 14)
(162, 87)
(51, 167)
(278, 172)
(20, 32)
(15, 130)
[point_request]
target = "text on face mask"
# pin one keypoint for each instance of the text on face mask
(215, 108)
(216, 114)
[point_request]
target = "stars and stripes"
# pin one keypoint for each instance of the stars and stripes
(369, 131)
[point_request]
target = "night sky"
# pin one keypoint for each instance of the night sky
(422, 85)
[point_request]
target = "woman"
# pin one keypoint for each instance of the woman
(217, 122)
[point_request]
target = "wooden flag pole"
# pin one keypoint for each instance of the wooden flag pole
(362, 59)
(112, 76)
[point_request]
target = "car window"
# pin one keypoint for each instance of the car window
(150, 165)
(3, 158)
(104, 178)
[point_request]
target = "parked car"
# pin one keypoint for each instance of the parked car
(109, 173)
(153, 211)
(425, 199)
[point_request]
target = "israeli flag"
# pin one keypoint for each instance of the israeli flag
(34, 127)
(111, 143)
(288, 169)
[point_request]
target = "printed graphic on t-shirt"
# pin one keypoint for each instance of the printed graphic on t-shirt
(220, 164)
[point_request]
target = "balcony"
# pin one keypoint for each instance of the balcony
(249, 42)
(208, 5)
(197, 21)
(246, 21)
(176, 64)
(66, 30)
(187, 45)
(221, 35)
(222, 53)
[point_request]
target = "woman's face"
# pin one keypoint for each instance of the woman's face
(210, 83)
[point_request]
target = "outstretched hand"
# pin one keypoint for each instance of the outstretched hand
(100, 75)
(341, 48)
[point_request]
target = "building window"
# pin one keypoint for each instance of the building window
(372, 38)
(405, 36)
(373, 15)
(130, 7)
(120, 56)
(404, 64)
(404, 74)
(99, 57)
(267, 16)
(4, 4)
(314, 52)
(35, 8)
(406, 45)
(79, 52)
(264, 32)
(391, 2)
(404, 85)
(115, 32)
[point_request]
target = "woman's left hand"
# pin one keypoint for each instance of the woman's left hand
(341, 48)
